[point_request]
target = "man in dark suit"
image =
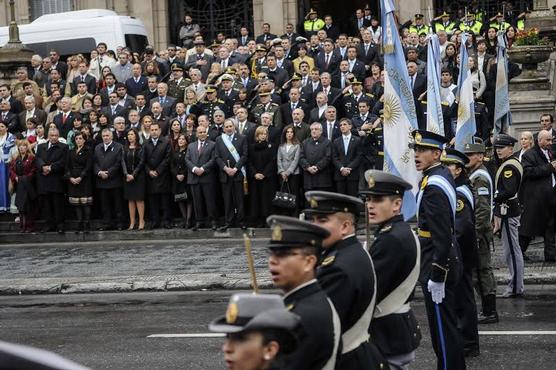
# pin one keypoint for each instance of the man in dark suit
(124, 99)
(266, 35)
(359, 22)
(84, 76)
(64, 119)
(316, 160)
(6, 95)
(290, 34)
(245, 78)
(295, 102)
(136, 83)
(279, 75)
(346, 158)
(201, 169)
(157, 166)
(31, 111)
(107, 168)
(300, 128)
(10, 119)
(282, 61)
(57, 63)
(151, 91)
(231, 157)
(243, 126)
(328, 60)
(141, 105)
(51, 164)
(167, 102)
(114, 109)
(332, 31)
(368, 51)
(333, 94)
(356, 66)
(244, 36)
(200, 60)
(110, 80)
(418, 84)
(317, 113)
(330, 127)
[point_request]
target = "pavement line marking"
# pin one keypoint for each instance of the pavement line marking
(190, 335)
(518, 332)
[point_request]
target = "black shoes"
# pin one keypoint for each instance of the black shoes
(491, 318)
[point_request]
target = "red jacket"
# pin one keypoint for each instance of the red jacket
(28, 168)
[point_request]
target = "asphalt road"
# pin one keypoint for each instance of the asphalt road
(109, 331)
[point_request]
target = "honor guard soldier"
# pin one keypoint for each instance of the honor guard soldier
(467, 242)
(396, 258)
(211, 103)
(507, 209)
(265, 105)
(350, 101)
(295, 248)
(258, 325)
(440, 259)
(347, 275)
(484, 192)
(178, 84)
(418, 26)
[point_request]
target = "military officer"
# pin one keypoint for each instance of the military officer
(295, 248)
(485, 284)
(507, 210)
(350, 101)
(467, 242)
(266, 105)
(440, 257)
(347, 275)
(178, 84)
(227, 93)
(396, 258)
(259, 331)
(211, 103)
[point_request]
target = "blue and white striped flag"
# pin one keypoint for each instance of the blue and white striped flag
(435, 120)
(466, 126)
(502, 114)
(399, 110)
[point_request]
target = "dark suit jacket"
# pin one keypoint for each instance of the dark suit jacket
(206, 160)
(224, 157)
(104, 94)
(111, 161)
(359, 70)
(302, 132)
(335, 130)
(61, 67)
(15, 105)
(314, 116)
(192, 63)
(372, 55)
(64, 127)
(286, 111)
(316, 153)
(280, 76)
(242, 42)
(332, 32)
(91, 82)
(134, 88)
(39, 115)
(261, 39)
(420, 85)
(168, 106)
(12, 121)
(333, 63)
(120, 111)
(157, 158)
(351, 160)
(355, 26)
(55, 157)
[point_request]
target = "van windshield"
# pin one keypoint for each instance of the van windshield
(136, 43)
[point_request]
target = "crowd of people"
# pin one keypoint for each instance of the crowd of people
(180, 131)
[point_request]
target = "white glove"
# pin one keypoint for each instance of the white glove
(436, 290)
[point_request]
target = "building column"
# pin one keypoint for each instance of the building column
(408, 9)
(277, 13)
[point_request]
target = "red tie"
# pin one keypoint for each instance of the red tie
(64, 118)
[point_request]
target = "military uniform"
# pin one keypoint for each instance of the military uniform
(319, 337)
(260, 108)
(484, 281)
(208, 107)
(176, 87)
(396, 254)
(466, 308)
(351, 103)
(347, 275)
(506, 206)
(440, 257)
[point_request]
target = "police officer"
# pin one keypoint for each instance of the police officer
(470, 24)
(485, 284)
(178, 84)
(259, 331)
(211, 103)
(467, 243)
(443, 23)
(440, 260)
(312, 23)
(499, 23)
(418, 26)
(396, 255)
(507, 210)
(294, 254)
(347, 275)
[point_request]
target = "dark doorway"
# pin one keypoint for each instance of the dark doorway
(342, 12)
(213, 16)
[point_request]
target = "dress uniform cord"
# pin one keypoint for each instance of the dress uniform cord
(441, 335)
(512, 253)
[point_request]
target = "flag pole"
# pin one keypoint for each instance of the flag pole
(250, 263)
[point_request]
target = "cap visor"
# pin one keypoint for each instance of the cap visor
(219, 325)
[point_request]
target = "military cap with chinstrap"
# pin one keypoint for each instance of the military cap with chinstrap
(324, 202)
(291, 232)
(427, 139)
(383, 183)
(503, 140)
(450, 156)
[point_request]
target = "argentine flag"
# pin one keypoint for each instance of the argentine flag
(466, 126)
(435, 120)
(502, 115)
(399, 110)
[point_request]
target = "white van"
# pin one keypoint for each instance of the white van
(80, 31)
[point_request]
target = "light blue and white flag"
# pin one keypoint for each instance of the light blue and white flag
(435, 120)
(399, 110)
(466, 126)
(502, 114)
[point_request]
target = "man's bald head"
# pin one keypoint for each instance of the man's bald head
(545, 139)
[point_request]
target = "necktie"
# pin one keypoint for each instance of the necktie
(200, 147)
(113, 110)
(64, 117)
(330, 128)
(343, 82)
(82, 79)
(366, 48)
(346, 144)
(293, 106)
(325, 90)
(244, 82)
(162, 100)
(326, 60)
(304, 80)
(412, 81)
(223, 65)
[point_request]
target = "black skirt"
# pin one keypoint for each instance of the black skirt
(135, 190)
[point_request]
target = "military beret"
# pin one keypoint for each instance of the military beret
(451, 156)
(503, 140)
(324, 202)
(427, 139)
(383, 183)
(291, 232)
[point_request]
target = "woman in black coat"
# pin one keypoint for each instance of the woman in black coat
(182, 195)
(133, 166)
(80, 189)
(262, 176)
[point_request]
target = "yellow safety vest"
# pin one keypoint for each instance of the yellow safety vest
(440, 27)
(313, 25)
(475, 27)
(497, 25)
(521, 24)
(424, 29)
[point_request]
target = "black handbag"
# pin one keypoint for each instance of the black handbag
(284, 199)
(180, 197)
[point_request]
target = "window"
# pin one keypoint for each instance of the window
(136, 42)
(64, 47)
(42, 7)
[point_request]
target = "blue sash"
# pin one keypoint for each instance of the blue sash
(466, 192)
(232, 149)
(447, 189)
